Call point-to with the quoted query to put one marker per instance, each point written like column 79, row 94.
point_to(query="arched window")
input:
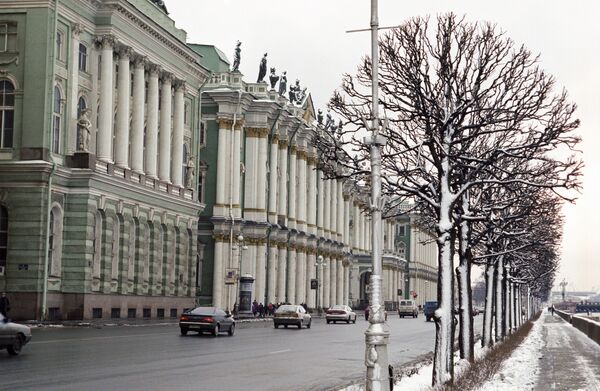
column 7, row 113
column 3, row 235
column 56, row 120
column 55, row 244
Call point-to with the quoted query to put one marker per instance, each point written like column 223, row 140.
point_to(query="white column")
column 310, row 274
column 234, row 167
column 251, row 182
column 261, row 179
column 164, row 157
column 123, row 112
column 355, row 227
column 152, row 123
column 281, row 272
column 347, row 284
column 326, row 209
column 261, row 272
column 273, row 180
column 291, row 280
column 222, row 165
column 340, row 282
column 300, row 277
column 326, row 283
column 301, row 192
column 177, row 147
column 218, row 275
column 138, row 114
column 320, row 203
column 292, row 189
column 272, row 273
column 105, row 114
column 73, row 137
column 340, row 211
column 282, row 202
column 347, row 207
column 333, row 210
column 333, row 281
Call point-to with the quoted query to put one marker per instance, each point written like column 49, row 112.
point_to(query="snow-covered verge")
column 520, row 371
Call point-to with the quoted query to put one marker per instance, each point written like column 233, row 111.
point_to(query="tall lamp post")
column 319, row 268
column 377, row 334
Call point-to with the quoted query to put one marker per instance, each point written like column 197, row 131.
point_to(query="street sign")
column 230, row 276
column 314, row 283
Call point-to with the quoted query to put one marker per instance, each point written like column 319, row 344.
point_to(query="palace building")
column 140, row 176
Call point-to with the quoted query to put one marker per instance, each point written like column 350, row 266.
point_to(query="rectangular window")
column 173, row 312
column 202, row 133
column 54, row 313
column 97, row 313
column 160, row 313
column 187, row 114
column 131, row 313
column 8, row 37
column 56, row 134
column 83, row 58
column 60, row 45
column 147, row 313
column 6, row 126
column 115, row 313
column 402, row 230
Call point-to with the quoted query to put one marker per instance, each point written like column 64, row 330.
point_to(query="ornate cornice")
column 283, row 144
column 257, row 132
column 224, row 123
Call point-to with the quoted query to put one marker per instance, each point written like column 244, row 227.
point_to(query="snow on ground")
column 520, row 371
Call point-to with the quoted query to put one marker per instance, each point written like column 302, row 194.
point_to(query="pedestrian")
column 261, row 310
column 270, row 308
column 254, row 308
column 552, row 310
column 4, row 305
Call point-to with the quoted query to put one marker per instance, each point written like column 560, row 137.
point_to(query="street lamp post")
column 377, row 334
column 318, row 267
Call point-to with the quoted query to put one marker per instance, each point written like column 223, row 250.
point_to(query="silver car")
column 340, row 313
column 13, row 336
column 294, row 315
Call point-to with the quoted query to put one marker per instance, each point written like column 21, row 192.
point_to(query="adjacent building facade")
column 139, row 176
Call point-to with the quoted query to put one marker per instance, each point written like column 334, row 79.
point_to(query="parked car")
column 367, row 314
column 13, row 336
column 429, row 310
column 289, row 314
column 341, row 313
column 408, row 307
column 210, row 319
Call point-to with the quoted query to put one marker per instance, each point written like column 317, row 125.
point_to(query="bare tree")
column 461, row 101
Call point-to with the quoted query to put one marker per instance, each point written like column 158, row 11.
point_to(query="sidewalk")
column 570, row 360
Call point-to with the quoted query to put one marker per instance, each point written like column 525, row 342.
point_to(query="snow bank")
column 520, row 371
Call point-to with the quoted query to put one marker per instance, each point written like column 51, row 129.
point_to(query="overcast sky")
column 307, row 39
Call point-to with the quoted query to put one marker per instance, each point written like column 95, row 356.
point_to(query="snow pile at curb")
column 520, row 371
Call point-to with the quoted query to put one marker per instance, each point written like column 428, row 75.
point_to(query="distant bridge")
column 588, row 307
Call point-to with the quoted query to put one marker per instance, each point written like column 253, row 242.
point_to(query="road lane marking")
column 94, row 338
column 281, row 351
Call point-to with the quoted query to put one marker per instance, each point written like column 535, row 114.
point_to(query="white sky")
column 307, row 39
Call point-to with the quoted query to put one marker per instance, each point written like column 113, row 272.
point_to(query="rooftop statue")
column 237, row 56
column 320, row 117
column 262, row 69
column 161, row 4
column 283, row 83
column 273, row 78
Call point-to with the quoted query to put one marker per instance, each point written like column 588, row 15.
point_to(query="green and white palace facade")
column 139, row 177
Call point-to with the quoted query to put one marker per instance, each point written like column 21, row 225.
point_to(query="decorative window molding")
column 7, row 113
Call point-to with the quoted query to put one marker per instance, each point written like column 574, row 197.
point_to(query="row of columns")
column 392, row 281
column 162, row 155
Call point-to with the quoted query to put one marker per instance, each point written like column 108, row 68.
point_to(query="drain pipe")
column 53, row 170
column 231, row 171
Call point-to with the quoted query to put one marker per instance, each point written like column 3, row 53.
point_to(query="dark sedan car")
column 210, row 319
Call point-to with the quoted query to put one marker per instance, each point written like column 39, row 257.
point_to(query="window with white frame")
column 83, row 57
column 202, row 136
column 8, row 37
column 7, row 113
column 56, row 119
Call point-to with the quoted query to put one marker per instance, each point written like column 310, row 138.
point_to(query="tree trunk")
column 507, row 302
column 488, row 317
column 499, row 298
column 466, row 337
column 443, row 360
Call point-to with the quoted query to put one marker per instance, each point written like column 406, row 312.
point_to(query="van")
column 408, row 307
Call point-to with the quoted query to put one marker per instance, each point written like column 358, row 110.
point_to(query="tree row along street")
column 157, row 357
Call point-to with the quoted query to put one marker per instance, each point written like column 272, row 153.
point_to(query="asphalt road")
column 158, row 358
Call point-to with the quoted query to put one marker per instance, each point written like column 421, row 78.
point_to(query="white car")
column 13, row 336
column 340, row 313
